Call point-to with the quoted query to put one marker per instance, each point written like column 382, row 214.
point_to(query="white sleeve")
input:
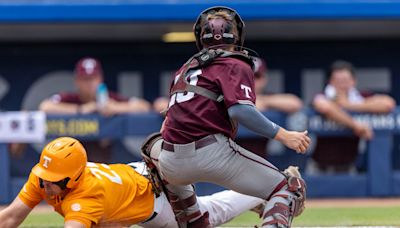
column 226, row 205
column 139, row 167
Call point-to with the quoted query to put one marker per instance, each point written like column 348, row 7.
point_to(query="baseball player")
column 211, row 94
column 100, row 195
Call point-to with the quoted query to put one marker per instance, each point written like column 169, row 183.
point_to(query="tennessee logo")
column 76, row 207
column 46, row 161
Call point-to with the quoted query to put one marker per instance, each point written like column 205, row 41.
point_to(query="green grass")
column 368, row 216
column 386, row 216
column 44, row 220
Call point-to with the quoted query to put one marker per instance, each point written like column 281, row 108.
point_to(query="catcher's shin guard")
column 186, row 214
column 287, row 203
column 201, row 222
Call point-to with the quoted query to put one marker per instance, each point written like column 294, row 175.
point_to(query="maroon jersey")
column 73, row 98
column 192, row 116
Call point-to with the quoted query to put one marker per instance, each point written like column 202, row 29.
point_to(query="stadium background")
column 40, row 41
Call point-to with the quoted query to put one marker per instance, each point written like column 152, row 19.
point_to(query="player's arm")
column 14, row 214
column 49, row 106
column 332, row 110
column 373, row 104
column 134, row 105
column 251, row 118
column 288, row 103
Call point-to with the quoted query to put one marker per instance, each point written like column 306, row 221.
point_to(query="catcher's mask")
column 218, row 31
column 62, row 162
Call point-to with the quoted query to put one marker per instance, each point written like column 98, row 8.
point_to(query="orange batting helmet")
column 62, row 158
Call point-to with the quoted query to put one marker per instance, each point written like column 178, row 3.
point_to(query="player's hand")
column 109, row 109
column 89, row 107
column 342, row 100
column 363, row 131
column 298, row 141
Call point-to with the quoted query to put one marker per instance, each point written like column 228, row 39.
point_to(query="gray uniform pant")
column 224, row 163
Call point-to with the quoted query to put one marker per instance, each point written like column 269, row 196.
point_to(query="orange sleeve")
column 30, row 193
column 84, row 210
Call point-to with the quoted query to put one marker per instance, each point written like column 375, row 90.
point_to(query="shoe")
column 259, row 209
column 292, row 171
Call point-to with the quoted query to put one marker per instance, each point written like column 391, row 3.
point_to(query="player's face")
column 87, row 86
column 342, row 80
column 51, row 189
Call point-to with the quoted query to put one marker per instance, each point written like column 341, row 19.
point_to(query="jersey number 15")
column 182, row 97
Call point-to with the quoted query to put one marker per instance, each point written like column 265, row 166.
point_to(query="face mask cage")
column 229, row 39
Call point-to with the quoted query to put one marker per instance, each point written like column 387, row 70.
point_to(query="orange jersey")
column 106, row 195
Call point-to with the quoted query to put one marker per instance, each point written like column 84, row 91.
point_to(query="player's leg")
column 185, row 206
column 294, row 193
column 241, row 170
column 226, row 205
column 164, row 215
column 181, row 197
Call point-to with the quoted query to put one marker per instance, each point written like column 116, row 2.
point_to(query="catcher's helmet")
column 218, row 30
column 62, row 158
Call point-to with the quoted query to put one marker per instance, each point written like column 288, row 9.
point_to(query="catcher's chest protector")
column 201, row 60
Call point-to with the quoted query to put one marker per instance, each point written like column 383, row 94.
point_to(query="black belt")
column 197, row 144
column 151, row 217
column 154, row 213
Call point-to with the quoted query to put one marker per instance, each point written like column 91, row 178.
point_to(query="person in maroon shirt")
column 88, row 76
column 211, row 94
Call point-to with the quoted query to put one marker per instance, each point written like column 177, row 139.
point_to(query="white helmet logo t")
column 46, row 161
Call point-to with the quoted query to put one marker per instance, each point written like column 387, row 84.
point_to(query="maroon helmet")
column 88, row 67
column 218, row 31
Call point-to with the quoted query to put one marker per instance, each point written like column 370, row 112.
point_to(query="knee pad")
column 297, row 186
column 288, row 202
column 181, row 208
column 150, row 151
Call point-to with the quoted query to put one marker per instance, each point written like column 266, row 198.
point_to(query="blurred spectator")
column 92, row 97
column 88, row 77
column 337, row 154
column 160, row 104
column 283, row 102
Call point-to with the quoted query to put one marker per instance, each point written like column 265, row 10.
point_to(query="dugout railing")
column 379, row 179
